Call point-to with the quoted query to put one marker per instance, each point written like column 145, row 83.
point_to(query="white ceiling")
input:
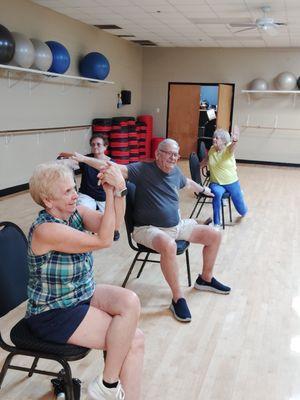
column 187, row 23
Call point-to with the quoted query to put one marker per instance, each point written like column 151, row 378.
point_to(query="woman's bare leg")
column 111, row 324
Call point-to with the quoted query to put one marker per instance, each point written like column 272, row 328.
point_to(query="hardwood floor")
column 245, row 346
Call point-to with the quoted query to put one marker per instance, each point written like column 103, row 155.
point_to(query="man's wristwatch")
column 121, row 193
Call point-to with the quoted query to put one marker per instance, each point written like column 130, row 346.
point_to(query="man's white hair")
column 166, row 142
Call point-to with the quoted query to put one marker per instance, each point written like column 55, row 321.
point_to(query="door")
column 224, row 106
column 183, row 119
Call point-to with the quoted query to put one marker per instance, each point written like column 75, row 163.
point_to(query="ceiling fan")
column 264, row 24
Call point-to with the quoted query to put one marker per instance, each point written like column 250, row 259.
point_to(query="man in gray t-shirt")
column 157, row 194
column 158, row 223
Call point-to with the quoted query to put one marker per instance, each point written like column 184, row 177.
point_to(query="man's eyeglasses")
column 170, row 153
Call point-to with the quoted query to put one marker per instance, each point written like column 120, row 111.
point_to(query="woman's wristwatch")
column 120, row 193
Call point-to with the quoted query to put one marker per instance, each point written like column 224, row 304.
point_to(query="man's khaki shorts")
column 145, row 234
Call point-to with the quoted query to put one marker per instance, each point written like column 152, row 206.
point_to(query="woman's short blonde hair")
column 43, row 182
column 223, row 135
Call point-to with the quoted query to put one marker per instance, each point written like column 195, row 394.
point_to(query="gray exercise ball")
column 258, row 84
column 24, row 51
column 285, row 81
column 42, row 55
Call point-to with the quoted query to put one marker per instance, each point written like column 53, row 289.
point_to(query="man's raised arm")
column 99, row 164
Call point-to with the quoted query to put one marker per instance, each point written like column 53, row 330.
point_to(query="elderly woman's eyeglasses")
column 97, row 144
column 170, row 153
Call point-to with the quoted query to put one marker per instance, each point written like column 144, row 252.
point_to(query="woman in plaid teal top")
column 58, row 280
column 65, row 305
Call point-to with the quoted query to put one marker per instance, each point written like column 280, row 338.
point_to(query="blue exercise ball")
column 7, row 45
column 94, row 65
column 61, row 57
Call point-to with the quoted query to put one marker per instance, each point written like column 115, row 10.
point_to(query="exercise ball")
column 285, row 81
column 94, row 65
column 61, row 57
column 258, row 84
column 42, row 55
column 7, row 45
column 24, row 51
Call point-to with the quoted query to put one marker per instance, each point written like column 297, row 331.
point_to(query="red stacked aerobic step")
column 154, row 145
column 119, row 146
column 148, row 120
column 141, row 135
column 133, row 141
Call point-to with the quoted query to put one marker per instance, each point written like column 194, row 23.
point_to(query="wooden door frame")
column 199, row 84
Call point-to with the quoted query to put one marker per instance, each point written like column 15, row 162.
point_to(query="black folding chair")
column 204, row 170
column 182, row 245
column 201, row 199
column 13, row 291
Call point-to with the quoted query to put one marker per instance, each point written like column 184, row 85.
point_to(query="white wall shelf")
column 46, row 75
column 272, row 91
column 269, row 127
column 249, row 92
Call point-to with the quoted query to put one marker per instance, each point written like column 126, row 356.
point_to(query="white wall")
column 238, row 66
column 53, row 104
column 146, row 72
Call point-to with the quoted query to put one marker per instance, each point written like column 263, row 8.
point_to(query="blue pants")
column 234, row 189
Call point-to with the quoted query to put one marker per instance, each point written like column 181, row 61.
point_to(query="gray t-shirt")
column 156, row 196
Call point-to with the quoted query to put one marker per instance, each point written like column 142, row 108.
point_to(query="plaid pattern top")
column 58, row 280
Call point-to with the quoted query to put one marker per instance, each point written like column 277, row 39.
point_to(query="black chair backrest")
column 130, row 207
column 202, row 151
column 195, row 168
column 129, row 221
column 210, row 128
column 13, row 267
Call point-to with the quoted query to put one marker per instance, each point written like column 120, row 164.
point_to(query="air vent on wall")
column 108, row 26
column 144, row 42
column 124, row 36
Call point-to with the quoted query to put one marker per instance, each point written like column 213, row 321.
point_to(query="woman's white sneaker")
column 97, row 391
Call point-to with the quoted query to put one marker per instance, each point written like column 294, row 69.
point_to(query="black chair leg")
column 202, row 204
column 34, row 364
column 223, row 219
column 144, row 263
column 130, row 269
column 5, row 367
column 206, row 180
column 194, row 209
column 230, row 212
column 188, row 267
column 66, row 375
